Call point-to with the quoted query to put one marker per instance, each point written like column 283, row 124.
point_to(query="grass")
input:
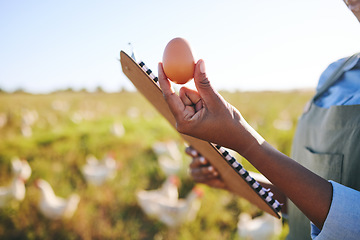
column 67, row 126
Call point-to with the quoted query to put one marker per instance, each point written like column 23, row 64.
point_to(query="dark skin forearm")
column 309, row 192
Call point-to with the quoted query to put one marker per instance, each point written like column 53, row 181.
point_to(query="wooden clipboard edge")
column 233, row 179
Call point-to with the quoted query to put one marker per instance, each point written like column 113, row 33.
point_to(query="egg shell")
column 178, row 61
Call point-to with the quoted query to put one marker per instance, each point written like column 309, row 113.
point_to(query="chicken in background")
column 117, row 129
column 21, row 168
column 15, row 191
column 54, row 207
column 169, row 157
column 149, row 200
column 173, row 214
column 97, row 172
column 259, row 228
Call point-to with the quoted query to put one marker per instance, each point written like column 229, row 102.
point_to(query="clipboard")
column 233, row 174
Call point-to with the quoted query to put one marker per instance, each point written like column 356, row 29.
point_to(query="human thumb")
column 202, row 83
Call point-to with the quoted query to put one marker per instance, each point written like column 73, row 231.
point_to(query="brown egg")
column 178, row 61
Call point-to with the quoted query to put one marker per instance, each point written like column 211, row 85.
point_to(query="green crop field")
column 56, row 132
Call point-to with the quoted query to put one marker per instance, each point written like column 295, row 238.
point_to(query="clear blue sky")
column 246, row 44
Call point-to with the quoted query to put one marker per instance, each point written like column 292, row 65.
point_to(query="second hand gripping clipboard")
column 235, row 176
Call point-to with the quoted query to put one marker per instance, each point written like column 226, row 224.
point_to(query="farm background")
column 67, row 126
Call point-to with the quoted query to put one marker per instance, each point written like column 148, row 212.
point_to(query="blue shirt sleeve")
column 346, row 91
column 343, row 220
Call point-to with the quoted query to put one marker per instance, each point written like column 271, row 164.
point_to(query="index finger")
column 164, row 82
column 175, row 104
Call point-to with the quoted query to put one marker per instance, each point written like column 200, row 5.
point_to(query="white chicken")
column 26, row 130
column 169, row 165
column 149, row 199
column 173, row 214
column 21, row 171
column 21, row 168
column 169, row 157
column 259, row 228
column 97, row 172
column 15, row 191
column 117, row 129
column 54, row 207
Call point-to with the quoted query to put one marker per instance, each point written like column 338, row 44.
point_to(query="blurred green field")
column 64, row 127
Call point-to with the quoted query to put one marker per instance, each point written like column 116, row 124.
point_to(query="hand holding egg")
column 178, row 61
column 202, row 112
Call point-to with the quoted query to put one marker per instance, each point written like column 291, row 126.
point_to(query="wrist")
column 247, row 141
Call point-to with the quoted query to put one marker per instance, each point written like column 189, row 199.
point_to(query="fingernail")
column 211, row 168
column 215, row 173
column 202, row 66
column 202, row 160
